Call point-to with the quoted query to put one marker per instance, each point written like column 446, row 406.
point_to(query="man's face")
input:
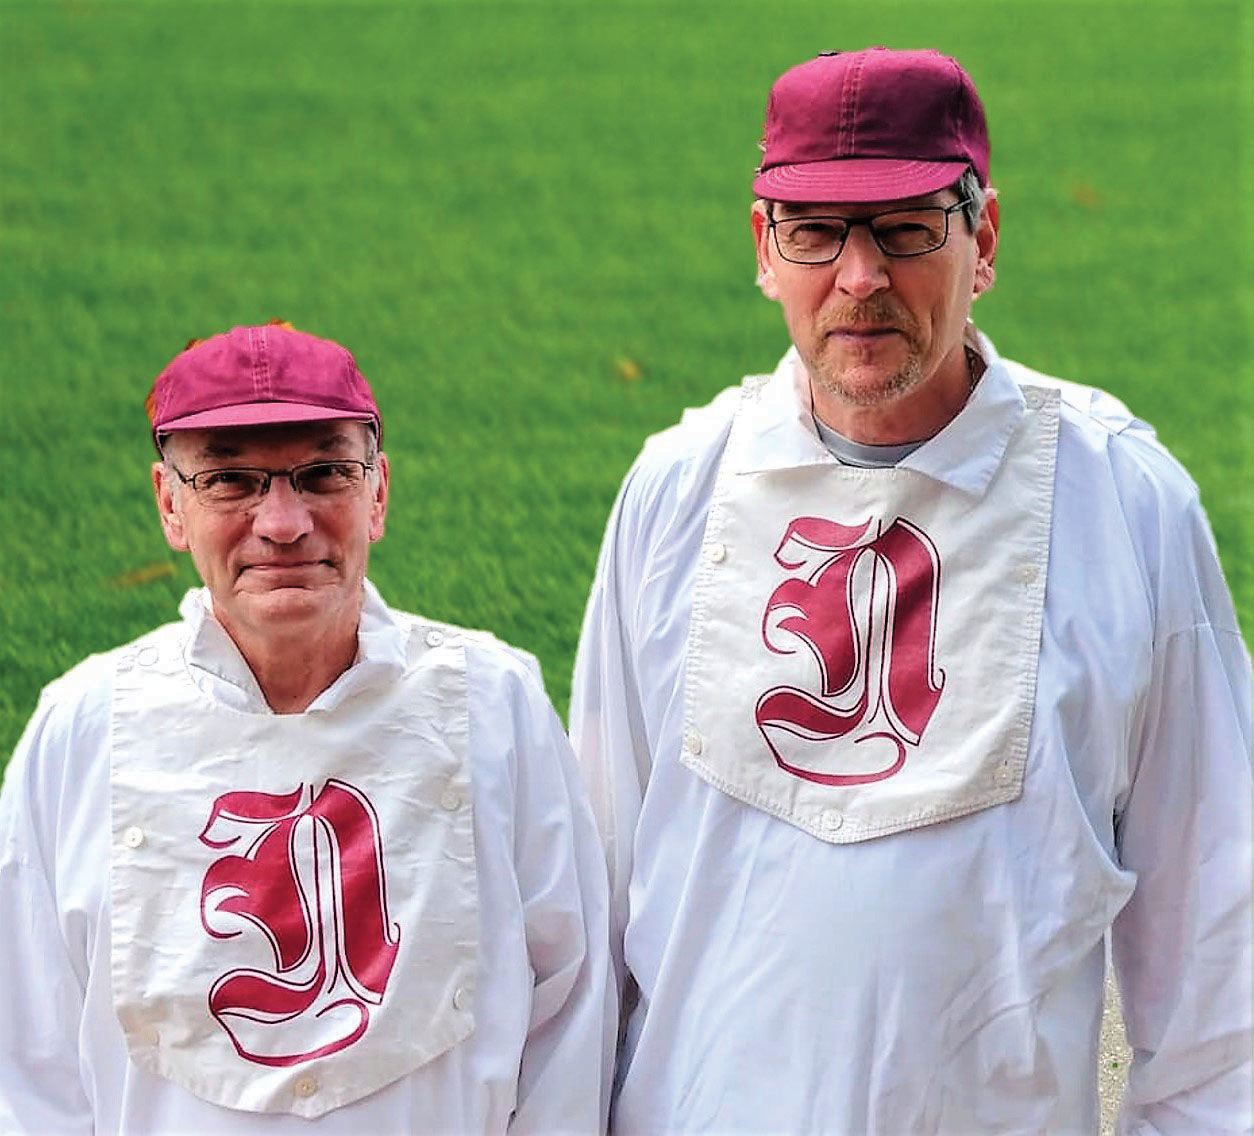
column 289, row 564
column 873, row 329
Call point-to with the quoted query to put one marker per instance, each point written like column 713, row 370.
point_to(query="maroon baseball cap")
column 254, row 376
column 872, row 125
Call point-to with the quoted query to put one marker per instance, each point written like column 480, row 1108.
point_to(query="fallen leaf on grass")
column 145, row 575
column 1085, row 196
column 628, row 369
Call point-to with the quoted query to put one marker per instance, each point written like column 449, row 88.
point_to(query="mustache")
column 874, row 311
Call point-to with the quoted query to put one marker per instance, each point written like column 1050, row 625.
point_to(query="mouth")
column 863, row 331
column 285, row 573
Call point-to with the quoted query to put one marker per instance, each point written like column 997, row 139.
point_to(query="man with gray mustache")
column 908, row 676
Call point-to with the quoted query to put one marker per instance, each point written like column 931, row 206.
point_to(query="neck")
column 293, row 668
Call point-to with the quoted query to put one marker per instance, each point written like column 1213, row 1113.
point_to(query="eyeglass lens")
column 905, row 232
column 229, row 486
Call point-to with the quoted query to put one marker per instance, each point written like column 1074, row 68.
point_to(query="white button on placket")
column 717, row 552
column 450, row 800
column 133, row 837
column 304, row 1087
column 434, row 638
column 693, row 743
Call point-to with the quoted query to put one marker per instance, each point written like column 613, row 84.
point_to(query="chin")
column 291, row 605
column 874, row 389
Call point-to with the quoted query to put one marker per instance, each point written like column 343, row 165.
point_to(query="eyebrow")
column 792, row 209
column 225, row 449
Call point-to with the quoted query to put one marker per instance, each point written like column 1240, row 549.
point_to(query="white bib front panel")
column 294, row 911
column 863, row 647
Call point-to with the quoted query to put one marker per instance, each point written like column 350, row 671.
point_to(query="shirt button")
column 133, row 837
column 1004, row 772
column 1026, row 573
column 461, row 998
column 717, row 552
column 304, row 1086
column 450, row 800
column 434, row 638
column 147, row 656
column 832, row 821
column 692, row 742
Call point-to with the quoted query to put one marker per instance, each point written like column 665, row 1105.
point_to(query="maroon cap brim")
column 269, row 413
column 855, row 180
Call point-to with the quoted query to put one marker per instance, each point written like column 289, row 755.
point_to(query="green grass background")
column 497, row 204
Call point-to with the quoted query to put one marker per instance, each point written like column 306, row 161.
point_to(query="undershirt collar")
column 860, row 454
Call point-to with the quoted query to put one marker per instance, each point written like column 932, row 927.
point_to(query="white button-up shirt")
column 538, row 1057
column 947, row 979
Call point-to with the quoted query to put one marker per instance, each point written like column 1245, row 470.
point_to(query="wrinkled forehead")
column 258, row 444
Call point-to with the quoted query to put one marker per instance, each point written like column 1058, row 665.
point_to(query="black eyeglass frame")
column 850, row 222
column 267, row 477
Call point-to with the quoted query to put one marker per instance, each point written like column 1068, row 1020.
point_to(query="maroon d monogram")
column 310, row 881
column 863, row 602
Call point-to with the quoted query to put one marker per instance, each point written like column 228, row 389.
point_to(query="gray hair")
column 968, row 188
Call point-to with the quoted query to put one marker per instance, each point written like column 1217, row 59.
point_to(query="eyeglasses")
column 896, row 232
column 240, row 487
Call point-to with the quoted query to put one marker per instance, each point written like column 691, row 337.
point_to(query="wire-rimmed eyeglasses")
column 820, row 239
column 239, row 487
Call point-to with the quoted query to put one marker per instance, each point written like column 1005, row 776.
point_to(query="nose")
column 282, row 515
column 861, row 268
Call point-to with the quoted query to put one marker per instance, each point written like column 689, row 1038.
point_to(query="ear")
column 761, row 241
column 379, row 506
column 986, row 231
column 167, row 507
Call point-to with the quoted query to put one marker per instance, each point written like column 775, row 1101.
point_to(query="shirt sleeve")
column 567, row 1061
column 41, row 1090
column 1181, row 946
column 607, row 722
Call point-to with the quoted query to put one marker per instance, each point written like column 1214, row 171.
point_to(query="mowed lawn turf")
column 530, row 222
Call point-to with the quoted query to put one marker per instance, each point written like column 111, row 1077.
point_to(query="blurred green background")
column 529, row 220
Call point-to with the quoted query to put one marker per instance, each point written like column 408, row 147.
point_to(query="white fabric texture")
column 948, row 979
column 528, row 1042
column 293, row 896
column 876, row 632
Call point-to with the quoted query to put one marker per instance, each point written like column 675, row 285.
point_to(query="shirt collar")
column 220, row 671
column 965, row 454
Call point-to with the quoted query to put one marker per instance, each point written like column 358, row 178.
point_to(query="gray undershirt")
column 848, row 452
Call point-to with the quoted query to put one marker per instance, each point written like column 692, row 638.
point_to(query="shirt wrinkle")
column 989, row 927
